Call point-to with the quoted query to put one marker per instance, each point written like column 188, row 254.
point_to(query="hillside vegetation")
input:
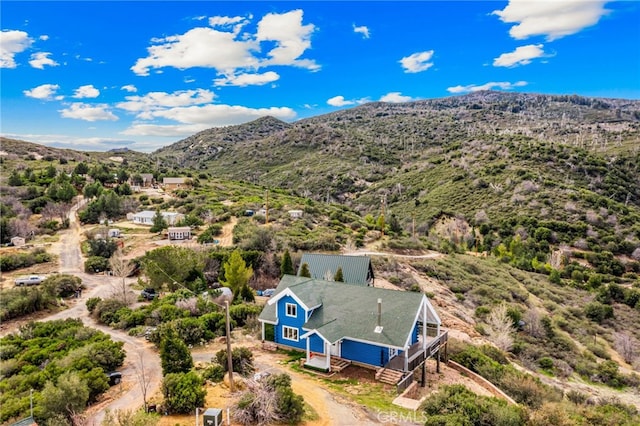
column 543, row 190
column 570, row 163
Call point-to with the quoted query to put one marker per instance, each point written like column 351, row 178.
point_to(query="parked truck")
column 30, row 280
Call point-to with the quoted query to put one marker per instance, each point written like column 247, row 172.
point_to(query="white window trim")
column 292, row 330
column 295, row 308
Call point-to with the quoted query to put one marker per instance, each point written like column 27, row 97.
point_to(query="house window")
column 290, row 333
column 292, row 310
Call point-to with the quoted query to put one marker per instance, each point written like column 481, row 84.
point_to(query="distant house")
column 262, row 212
column 114, row 233
column 179, row 232
column 173, row 183
column 368, row 326
column 147, row 179
column 18, row 241
column 295, row 214
column 355, row 269
column 146, row 217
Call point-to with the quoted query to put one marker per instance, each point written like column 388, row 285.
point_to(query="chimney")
column 378, row 328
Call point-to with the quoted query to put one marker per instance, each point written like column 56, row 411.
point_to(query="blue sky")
column 94, row 75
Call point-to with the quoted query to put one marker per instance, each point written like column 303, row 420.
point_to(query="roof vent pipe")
column 379, row 312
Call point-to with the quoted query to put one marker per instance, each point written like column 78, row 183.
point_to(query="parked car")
column 269, row 292
column 115, row 377
column 149, row 293
column 30, row 280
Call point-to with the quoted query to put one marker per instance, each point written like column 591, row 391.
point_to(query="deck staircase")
column 339, row 364
column 388, row 376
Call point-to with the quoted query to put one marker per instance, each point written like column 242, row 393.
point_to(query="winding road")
column 130, row 394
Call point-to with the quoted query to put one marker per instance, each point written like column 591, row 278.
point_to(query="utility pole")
column 229, row 359
column 266, row 215
column 383, row 202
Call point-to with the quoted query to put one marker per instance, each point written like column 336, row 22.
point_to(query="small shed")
column 294, row 214
column 18, row 241
column 179, row 232
column 114, row 233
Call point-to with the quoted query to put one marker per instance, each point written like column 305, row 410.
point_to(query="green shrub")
column 183, row 392
column 12, row 261
column 598, row 312
column 457, row 405
column 214, row 373
column 95, row 264
column 242, row 360
column 92, row 303
column 545, row 363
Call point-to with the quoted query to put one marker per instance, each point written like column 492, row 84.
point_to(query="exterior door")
column 335, row 349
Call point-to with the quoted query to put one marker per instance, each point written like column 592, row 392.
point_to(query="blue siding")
column 365, row 353
column 316, row 344
column 296, row 322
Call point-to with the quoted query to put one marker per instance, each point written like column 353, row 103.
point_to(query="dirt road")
column 71, row 262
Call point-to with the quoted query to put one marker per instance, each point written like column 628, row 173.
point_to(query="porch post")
column 406, row 359
column 327, row 352
column 262, row 331
column 424, row 373
column 438, row 362
column 424, row 326
column 308, row 347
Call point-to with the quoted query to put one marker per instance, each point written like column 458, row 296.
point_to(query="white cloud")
column 130, row 88
column 12, row 42
column 199, row 47
column 87, row 91
column 193, row 119
column 44, row 37
column 44, row 91
column 395, row 97
column 247, row 79
column 361, row 30
column 417, row 62
column 145, row 106
column 234, row 23
column 40, row 59
column 230, row 53
column 291, row 38
column 553, row 19
column 87, row 112
column 339, row 101
column 504, row 85
column 521, row 56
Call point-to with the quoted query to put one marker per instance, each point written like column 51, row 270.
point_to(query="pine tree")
column 286, row 267
column 304, row 271
column 236, row 273
column 174, row 354
column 158, row 222
column 338, row 277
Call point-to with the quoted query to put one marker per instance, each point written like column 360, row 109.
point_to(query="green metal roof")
column 355, row 269
column 352, row 310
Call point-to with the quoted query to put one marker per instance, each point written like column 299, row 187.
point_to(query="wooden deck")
column 416, row 354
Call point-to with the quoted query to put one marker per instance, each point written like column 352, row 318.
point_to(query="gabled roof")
column 151, row 214
column 351, row 311
column 173, row 180
column 355, row 269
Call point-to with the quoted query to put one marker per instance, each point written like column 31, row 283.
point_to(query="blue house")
column 366, row 326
